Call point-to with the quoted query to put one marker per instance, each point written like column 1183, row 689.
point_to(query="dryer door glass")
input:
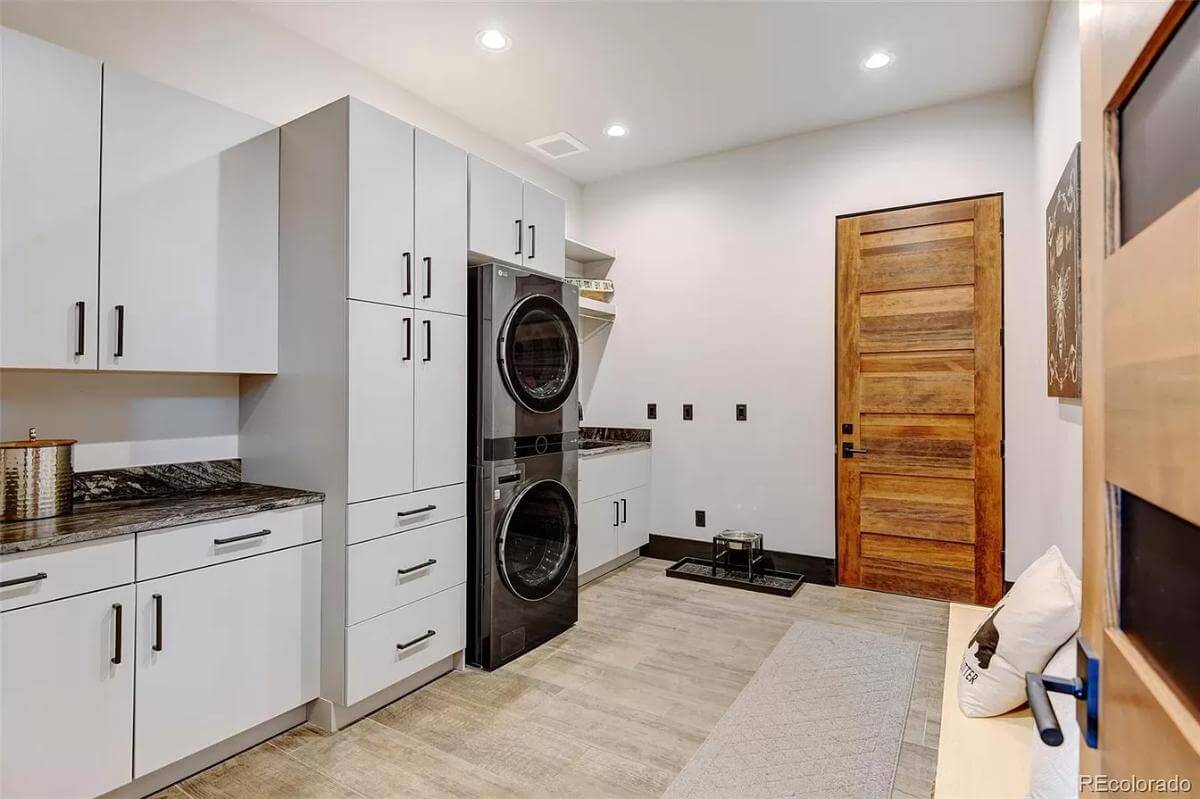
column 539, row 354
column 537, row 544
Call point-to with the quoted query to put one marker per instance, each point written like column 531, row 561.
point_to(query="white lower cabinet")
column 393, row 571
column 66, row 696
column 222, row 649
column 634, row 530
column 614, row 517
column 598, row 525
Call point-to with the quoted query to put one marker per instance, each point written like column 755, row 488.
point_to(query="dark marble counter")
column 606, row 440
column 92, row 520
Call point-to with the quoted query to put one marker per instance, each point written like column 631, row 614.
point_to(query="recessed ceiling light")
column 616, row 131
column 877, row 60
column 494, row 40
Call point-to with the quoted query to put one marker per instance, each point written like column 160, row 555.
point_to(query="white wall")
column 226, row 53
column 725, row 294
column 1057, row 107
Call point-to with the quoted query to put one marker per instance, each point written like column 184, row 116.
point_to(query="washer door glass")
column 537, row 544
column 539, row 355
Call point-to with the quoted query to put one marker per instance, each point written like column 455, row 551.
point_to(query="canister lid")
column 34, row 441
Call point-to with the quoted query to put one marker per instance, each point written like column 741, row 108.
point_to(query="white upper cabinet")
column 382, row 347
column 441, row 225
column 382, row 264
column 49, row 204
column 189, row 203
column 545, row 244
column 66, row 689
column 440, row 437
column 495, row 217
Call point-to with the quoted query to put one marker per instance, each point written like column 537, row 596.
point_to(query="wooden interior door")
column 919, row 400
column 1140, row 247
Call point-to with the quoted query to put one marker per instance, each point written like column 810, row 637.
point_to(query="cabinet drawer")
column 380, row 517
column 602, row 475
column 177, row 549
column 373, row 657
column 69, row 570
column 434, row 559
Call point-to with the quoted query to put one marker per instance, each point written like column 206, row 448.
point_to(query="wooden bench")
column 978, row 758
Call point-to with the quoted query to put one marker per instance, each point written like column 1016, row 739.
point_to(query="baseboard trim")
column 180, row 770
column 822, row 571
column 331, row 717
column 605, row 568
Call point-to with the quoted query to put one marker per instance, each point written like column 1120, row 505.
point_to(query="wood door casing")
column 919, row 378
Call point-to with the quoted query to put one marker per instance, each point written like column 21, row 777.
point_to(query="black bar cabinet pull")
column 520, row 238
column 407, row 339
column 428, row 278
column 429, row 634
column 415, row 511
column 624, row 510
column 428, row 340
column 33, row 578
column 157, row 646
column 418, row 567
column 120, row 332
column 533, row 241
column 246, row 537
column 116, row 658
column 407, row 273
column 80, row 316
column 616, row 513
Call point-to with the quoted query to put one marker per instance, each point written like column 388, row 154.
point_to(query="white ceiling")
column 686, row 78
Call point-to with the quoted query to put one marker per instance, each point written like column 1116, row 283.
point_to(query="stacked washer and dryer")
column 523, row 528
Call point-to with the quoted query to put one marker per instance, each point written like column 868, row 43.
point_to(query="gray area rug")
column 823, row 717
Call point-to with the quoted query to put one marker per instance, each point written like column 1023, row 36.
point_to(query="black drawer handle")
column 117, row 613
column 407, row 274
column 520, row 238
column 158, row 614
column 418, row 567
column 428, row 340
column 428, row 278
column 81, row 314
column 407, row 339
column 616, row 513
column 33, row 578
column 219, row 541
column 624, row 511
column 415, row 511
column 120, row 332
column 532, row 241
column 429, row 634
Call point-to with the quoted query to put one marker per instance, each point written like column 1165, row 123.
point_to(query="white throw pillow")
column 1054, row 770
column 1038, row 614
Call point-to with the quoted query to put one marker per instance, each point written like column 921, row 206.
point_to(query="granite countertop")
column 595, row 441
column 119, row 502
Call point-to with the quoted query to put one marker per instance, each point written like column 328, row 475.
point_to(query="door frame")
column 837, row 436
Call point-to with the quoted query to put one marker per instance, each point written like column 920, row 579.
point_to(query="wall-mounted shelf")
column 594, row 316
column 585, row 254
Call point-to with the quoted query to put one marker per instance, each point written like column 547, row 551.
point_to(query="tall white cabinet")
column 514, row 221
column 369, row 405
column 49, row 204
column 140, row 222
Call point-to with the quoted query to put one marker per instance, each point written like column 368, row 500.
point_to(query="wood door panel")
column 918, row 507
column 930, row 445
column 919, row 396
column 918, row 319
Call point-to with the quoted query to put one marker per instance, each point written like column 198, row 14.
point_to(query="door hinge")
column 1001, row 448
column 1002, row 337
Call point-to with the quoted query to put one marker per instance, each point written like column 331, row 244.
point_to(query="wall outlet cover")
column 687, row 412
column 700, row 520
column 741, row 412
column 651, row 410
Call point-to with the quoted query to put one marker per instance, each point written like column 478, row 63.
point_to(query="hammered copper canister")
column 35, row 477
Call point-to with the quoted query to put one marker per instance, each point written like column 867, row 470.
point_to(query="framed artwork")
column 1063, row 318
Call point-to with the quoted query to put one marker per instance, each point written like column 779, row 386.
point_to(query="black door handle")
column 407, row 274
column 418, row 567
column 616, row 513
column 80, row 316
column 407, row 339
column 520, row 238
column 1044, row 718
column 120, row 332
column 33, row 578
column 429, row 634
column 428, row 340
column 219, row 541
column 428, row 278
column 624, row 511
column 848, row 450
column 158, row 614
column 532, row 241
column 415, row 511
column 116, row 658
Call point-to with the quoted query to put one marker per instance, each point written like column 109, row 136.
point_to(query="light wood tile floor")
column 614, row 707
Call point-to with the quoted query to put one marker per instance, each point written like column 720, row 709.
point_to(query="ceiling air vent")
column 558, row 145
